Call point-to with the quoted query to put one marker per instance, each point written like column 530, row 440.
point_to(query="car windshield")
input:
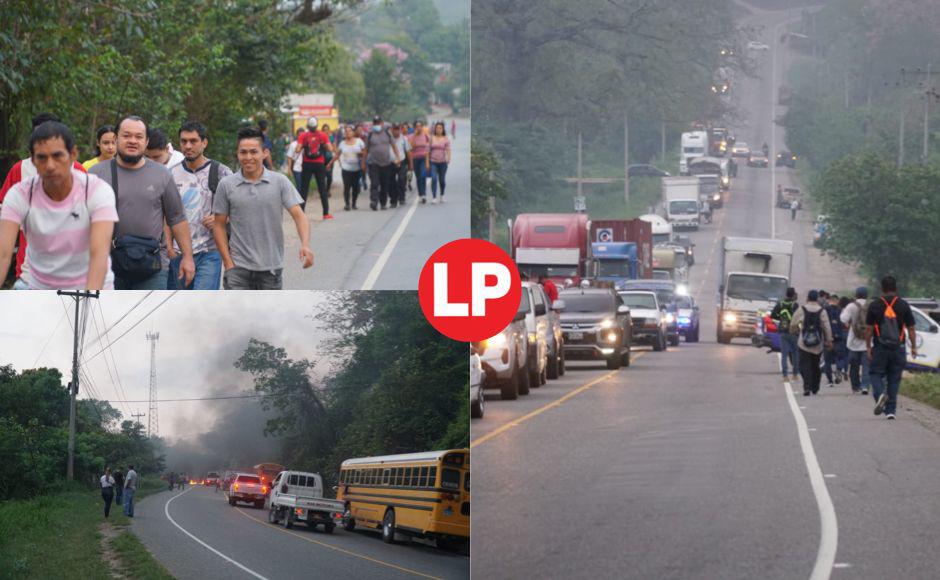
column 662, row 275
column 524, row 303
column 577, row 302
column 248, row 479
column 613, row 268
column 683, row 207
column 767, row 288
column 683, row 302
column 661, row 238
column 639, row 300
column 550, row 271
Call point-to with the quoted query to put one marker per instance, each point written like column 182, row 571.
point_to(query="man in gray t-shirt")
column 380, row 152
column 252, row 201
column 146, row 198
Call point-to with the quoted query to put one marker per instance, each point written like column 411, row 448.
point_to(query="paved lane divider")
column 828, row 524
column 389, row 248
column 556, row 403
column 337, row 549
column 166, row 510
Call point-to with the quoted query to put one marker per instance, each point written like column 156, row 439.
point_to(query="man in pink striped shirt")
column 67, row 216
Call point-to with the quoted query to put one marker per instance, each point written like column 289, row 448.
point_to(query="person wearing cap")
column 782, row 314
column 853, row 316
column 314, row 144
column 812, row 316
column 380, row 152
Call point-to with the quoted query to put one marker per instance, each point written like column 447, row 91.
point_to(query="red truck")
column 554, row 245
column 636, row 230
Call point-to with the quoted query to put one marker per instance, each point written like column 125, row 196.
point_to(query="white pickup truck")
column 247, row 488
column 298, row 496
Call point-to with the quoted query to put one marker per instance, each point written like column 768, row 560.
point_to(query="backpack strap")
column 213, row 176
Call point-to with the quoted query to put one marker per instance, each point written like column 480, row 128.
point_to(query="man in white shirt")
column 853, row 315
column 402, row 166
column 107, row 490
column 130, row 486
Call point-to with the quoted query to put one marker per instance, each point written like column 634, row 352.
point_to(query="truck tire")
column 552, row 368
column 328, row 528
column 288, row 519
column 543, row 376
column 388, row 527
column 613, row 363
column 272, row 516
column 259, row 505
column 231, row 501
column 509, row 391
column 723, row 338
column 534, row 374
column 626, row 358
column 524, row 380
column 692, row 337
column 659, row 344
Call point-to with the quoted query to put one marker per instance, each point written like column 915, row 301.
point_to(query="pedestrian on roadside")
column 453, row 128
column 440, row 158
column 107, row 490
column 197, row 180
column 328, row 158
column 160, row 149
column 252, row 200
column 794, row 205
column 171, row 478
column 830, row 363
column 130, row 486
column 146, row 197
column 420, row 143
column 782, row 315
column 888, row 321
column 268, row 145
column 105, row 146
column 295, row 158
column 403, row 166
column 314, row 144
column 60, row 203
column 118, row 476
column 854, row 316
column 380, row 153
column 352, row 162
column 811, row 323
column 841, row 346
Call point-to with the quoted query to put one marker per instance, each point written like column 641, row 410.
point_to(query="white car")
column 538, row 322
column 928, row 342
column 740, row 149
column 476, row 385
column 754, row 45
column 647, row 318
column 504, row 356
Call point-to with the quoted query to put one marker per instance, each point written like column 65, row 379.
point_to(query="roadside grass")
column 56, row 536
column 136, row 561
column 922, row 387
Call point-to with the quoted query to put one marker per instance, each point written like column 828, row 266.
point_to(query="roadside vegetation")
column 923, row 387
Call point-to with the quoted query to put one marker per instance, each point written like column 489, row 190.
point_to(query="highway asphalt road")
column 196, row 534
column 384, row 249
column 699, row 462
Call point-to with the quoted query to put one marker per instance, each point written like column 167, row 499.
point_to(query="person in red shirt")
column 314, row 143
column 21, row 171
column 550, row 289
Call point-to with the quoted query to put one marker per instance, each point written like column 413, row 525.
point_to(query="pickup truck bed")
column 286, row 509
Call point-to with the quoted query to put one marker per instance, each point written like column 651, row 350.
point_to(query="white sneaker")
column 442, row 199
column 880, row 405
column 890, row 416
column 434, row 201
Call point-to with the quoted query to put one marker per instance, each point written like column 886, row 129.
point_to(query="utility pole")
column 580, row 174
column 626, row 159
column 926, row 116
column 901, row 133
column 492, row 217
column 662, row 143
column 73, row 385
column 137, row 416
column 153, row 428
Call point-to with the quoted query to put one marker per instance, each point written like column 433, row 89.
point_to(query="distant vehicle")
column 267, row 472
column 928, row 343
column 740, row 149
column 787, row 195
column 645, row 170
column 930, row 306
column 476, row 384
column 298, row 496
column 647, row 318
column 544, row 334
column 680, row 197
column 754, row 276
column 212, row 478
column 597, row 326
column 693, row 144
column 621, row 249
column 504, row 356
column 687, row 243
column 786, row 159
column 247, row 488
column 757, row 159
column 754, row 45
column 687, row 317
column 666, row 296
column 414, row 495
column 661, row 228
column 552, row 245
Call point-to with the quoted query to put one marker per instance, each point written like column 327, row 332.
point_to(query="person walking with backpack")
column 831, row 305
column 197, row 179
column 315, row 144
column 782, row 314
column 854, row 316
column 811, row 324
column 888, row 322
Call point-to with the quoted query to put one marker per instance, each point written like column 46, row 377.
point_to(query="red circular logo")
column 469, row 290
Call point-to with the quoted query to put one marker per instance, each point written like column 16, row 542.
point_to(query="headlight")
column 606, row 323
column 682, row 290
column 532, row 338
column 670, row 318
column 610, row 336
column 730, row 317
column 496, row 341
column 725, row 180
column 685, row 320
column 717, row 197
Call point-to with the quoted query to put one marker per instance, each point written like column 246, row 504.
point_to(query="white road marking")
column 389, row 248
column 811, row 428
column 166, row 510
column 828, row 524
column 830, row 475
column 842, row 565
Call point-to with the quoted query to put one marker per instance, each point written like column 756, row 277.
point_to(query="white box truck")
column 694, row 144
column 755, row 274
column 681, row 202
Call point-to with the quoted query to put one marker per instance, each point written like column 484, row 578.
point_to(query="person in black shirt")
column 782, row 314
column 118, row 476
column 885, row 348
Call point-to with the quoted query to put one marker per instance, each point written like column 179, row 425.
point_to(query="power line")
column 113, row 360
column 58, row 324
column 193, row 399
column 118, row 321
column 131, row 328
column 106, row 365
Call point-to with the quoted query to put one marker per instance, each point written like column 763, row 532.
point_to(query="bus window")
column 423, row 480
column 399, row 475
column 408, row 481
column 432, row 477
column 466, row 482
column 450, row 478
column 385, row 474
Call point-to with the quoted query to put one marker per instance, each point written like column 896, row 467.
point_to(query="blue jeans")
column 421, row 176
column 789, row 350
column 438, row 173
column 887, row 365
column 208, row 272
column 155, row 282
column 129, row 502
column 858, row 360
column 297, row 176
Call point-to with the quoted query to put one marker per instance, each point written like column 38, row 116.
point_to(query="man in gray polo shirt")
column 252, row 201
column 146, row 197
column 380, row 151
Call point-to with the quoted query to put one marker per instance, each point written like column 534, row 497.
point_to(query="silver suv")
column 543, row 324
column 505, row 356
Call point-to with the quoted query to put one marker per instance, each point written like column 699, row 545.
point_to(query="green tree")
column 484, row 183
column 384, row 87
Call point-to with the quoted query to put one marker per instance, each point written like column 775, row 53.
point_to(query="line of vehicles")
column 414, row 495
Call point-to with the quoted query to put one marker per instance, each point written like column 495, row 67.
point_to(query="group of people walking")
column 379, row 157
column 119, row 488
column 861, row 339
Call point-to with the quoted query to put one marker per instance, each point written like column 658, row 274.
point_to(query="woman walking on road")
column 352, row 162
column 107, row 490
column 420, row 142
column 439, row 159
column 811, row 324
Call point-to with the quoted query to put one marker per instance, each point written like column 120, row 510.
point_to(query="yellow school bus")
column 417, row 494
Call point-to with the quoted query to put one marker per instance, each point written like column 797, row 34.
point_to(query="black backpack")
column 313, row 153
column 213, row 176
column 889, row 332
column 812, row 332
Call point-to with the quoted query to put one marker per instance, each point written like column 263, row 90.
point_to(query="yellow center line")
column 338, row 549
column 556, row 403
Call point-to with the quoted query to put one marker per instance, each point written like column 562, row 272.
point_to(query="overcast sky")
column 201, row 336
